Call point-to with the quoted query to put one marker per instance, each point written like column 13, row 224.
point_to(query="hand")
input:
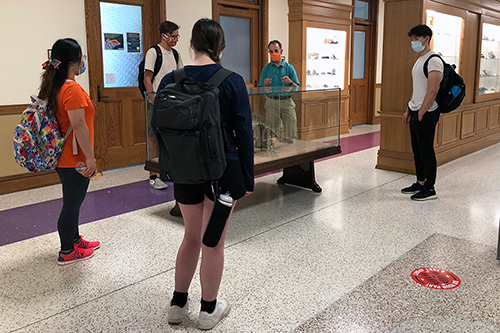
column 406, row 117
column 152, row 98
column 286, row 89
column 267, row 82
column 286, row 79
column 421, row 114
column 268, row 89
column 91, row 169
column 248, row 193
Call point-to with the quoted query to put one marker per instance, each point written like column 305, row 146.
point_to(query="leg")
column 74, row 187
column 189, row 251
column 212, row 258
column 415, row 146
column 273, row 116
column 289, row 118
column 426, row 132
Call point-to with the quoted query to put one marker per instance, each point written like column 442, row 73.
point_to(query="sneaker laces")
column 78, row 251
column 83, row 242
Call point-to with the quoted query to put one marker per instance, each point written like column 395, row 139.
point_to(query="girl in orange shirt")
column 72, row 107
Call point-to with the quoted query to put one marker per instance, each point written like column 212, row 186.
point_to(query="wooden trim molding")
column 27, row 181
column 6, row 110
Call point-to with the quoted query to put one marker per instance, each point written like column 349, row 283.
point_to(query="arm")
column 81, row 131
column 242, row 117
column 433, row 81
column 148, row 83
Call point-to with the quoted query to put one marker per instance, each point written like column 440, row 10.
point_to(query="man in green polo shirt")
column 280, row 76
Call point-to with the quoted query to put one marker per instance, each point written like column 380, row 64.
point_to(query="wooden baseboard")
column 28, row 181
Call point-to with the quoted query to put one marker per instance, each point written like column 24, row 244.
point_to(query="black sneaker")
column 424, row 194
column 414, row 188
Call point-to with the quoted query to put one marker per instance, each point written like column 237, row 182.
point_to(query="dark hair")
column 275, row 41
column 420, row 30
column 168, row 27
column 67, row 51
column 208, row 37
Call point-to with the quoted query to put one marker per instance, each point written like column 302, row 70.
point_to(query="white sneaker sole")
column 432, row 197
column 209, row 326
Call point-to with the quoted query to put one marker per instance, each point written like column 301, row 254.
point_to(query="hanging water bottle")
column 220, row 213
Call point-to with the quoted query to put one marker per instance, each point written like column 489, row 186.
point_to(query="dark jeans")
column 74, row 187
column 422, row 144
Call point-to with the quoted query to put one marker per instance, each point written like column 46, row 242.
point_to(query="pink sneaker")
column 76, row 255
column 83, row 244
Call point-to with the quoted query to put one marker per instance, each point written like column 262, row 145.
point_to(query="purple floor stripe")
column 29, row 221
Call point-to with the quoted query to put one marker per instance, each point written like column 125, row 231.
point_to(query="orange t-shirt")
column 71, row 97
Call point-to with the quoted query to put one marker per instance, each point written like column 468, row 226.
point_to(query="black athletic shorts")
column 232, row 181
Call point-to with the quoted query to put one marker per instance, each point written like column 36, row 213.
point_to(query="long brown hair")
column 67, row 51
column 208, row 37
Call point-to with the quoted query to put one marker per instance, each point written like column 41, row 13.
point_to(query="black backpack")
column 452, row 88
column 158, row 63
column 189, row 129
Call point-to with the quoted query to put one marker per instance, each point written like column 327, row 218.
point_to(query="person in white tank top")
column 422, row 113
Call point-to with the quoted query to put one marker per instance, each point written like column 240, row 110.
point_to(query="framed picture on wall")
column 113, row 41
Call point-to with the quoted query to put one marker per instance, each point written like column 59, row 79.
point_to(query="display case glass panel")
column 489, row 69
column 447, row 36
column 278, row 117
column 325, row 65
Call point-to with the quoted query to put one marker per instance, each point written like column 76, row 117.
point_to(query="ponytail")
column 208, row 37
column 64, row 52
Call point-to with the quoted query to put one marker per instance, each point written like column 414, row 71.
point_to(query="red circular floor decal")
column 435, row 278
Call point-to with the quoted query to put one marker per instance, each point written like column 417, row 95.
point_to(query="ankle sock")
column 153, row 177
column 208, row 306
column 179, row 299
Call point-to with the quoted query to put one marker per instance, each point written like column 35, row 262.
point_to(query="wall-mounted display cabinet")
column 489, row 63
column 325, row 64
column 467, row 35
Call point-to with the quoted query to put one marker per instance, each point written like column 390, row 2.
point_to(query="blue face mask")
column 82, row 70
column 417, row 46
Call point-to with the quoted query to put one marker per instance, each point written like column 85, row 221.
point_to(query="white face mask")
column 417, row 46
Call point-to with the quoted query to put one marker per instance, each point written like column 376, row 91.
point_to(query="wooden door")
column 241, row 30
column 360, row 106
column 119, row 32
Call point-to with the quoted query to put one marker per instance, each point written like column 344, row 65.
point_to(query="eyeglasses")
column 84, row 57
column 177, row 37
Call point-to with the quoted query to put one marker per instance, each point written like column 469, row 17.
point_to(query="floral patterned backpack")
column 37, row 140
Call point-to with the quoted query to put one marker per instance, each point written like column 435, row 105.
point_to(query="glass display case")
column 447, row 36
column 325, row 64
column 489, row 68
column 280, row 117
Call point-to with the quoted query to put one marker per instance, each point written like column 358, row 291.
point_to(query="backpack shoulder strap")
column 176, row 56
column 159, row 59
column 179, row 74
column 426, row 64
column 219, row 76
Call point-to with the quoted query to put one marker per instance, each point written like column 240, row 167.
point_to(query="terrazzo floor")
column 296, row 260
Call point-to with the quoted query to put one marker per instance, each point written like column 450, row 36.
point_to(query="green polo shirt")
column 271, row 71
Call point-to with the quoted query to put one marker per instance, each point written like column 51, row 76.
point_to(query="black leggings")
column 74, row 187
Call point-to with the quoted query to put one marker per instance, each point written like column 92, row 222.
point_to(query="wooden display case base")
column 296, row 160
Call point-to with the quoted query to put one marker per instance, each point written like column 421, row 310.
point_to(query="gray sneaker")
column 157, row 184
column 208, row 321
column 176, row 314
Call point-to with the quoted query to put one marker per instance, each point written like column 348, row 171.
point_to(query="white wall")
column 185, row 14
column 28, row 28
column 278, row 23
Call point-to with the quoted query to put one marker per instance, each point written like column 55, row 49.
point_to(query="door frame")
column 263, row 27
column 94, row 54
column 372, row 54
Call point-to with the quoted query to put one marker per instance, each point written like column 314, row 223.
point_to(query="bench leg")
column 300, row 175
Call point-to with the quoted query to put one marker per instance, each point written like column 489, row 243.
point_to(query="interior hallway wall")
column 24, row 48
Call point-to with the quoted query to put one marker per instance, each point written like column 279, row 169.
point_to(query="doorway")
column 118, row 35
column 362, row 109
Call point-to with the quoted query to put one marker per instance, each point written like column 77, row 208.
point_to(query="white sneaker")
column 208, row 321
column 157, row 184
column 176, row 313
